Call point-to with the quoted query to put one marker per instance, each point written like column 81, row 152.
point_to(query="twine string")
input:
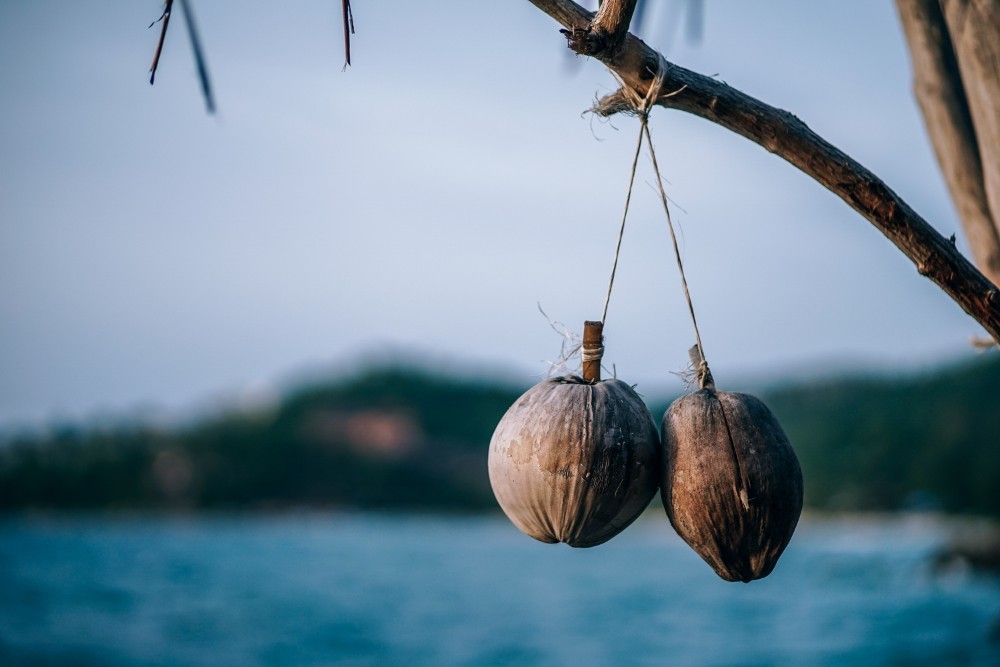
column 702, row 368
column 641, row 105
column 621, row 231
column 588, row 353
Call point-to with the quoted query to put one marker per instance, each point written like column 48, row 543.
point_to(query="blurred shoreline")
column 408, row 440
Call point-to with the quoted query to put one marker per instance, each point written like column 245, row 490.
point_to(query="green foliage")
column 893, row 443
column 407, row 439
column 389, row 438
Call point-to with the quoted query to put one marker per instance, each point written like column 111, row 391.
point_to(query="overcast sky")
column 429, row 197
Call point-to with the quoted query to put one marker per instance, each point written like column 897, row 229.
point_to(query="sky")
column 429, row 198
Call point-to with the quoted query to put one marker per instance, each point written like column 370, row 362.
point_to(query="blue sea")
column 368, row 589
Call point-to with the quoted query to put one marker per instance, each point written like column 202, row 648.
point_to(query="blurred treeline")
column 403, row 438
column 930, row 441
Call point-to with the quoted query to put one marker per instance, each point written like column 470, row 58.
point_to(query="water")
column 377, row 590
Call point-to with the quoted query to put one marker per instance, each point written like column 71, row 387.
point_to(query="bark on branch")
column 606, row 33
column 785, row 135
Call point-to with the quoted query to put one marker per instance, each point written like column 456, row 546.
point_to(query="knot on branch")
column 590, row 41
column 629, row 101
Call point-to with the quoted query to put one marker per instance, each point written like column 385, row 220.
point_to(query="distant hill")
column 928, row 441
column 385, row 438
column 406, row 439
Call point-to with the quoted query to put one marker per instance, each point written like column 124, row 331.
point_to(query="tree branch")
column 606, row 33
column 785, row 135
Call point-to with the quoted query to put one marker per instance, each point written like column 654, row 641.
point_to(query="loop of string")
column 588, row 353
column 641, row 105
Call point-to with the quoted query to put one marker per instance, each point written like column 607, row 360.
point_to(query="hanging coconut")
column 576, row 459
column 731, row 486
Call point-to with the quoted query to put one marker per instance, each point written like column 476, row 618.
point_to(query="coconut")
column 576, row 459
column 731, row 484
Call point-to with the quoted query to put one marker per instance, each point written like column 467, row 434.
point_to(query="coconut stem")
column 702, row 372
column 593, row 350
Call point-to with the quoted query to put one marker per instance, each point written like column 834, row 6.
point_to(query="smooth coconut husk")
column 731, row 484
column 575, row 461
